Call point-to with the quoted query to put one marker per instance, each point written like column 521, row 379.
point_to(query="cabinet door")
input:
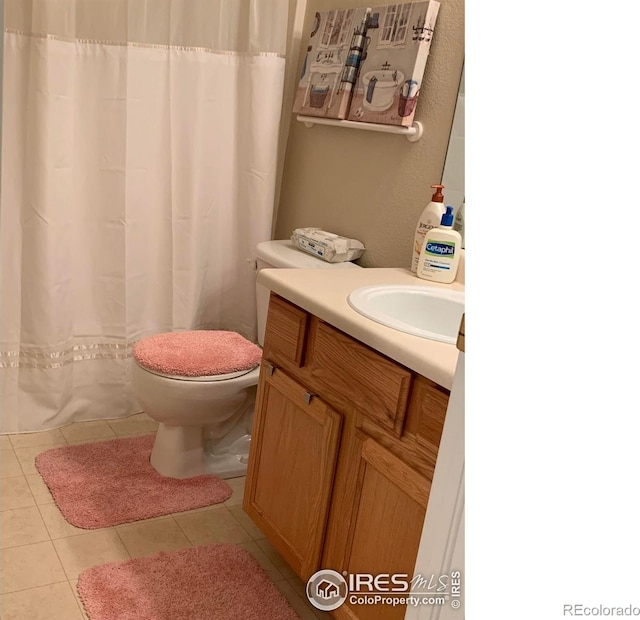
column 292, row 462
column 384, row 524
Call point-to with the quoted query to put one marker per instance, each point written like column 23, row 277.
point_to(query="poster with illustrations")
column 398, row 39
column 330, row 67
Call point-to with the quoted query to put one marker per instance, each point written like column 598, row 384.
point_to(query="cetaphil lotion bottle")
column 440, row 255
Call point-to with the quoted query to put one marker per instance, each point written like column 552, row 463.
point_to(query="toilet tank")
column 283, row 254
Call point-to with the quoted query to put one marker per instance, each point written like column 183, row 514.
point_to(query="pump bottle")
column 430, row 218
column 440, row 256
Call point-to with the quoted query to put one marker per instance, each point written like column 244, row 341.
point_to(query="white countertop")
column 324, row 292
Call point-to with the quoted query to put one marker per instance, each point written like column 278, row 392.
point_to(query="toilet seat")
column 203, row 379
column 197, row 355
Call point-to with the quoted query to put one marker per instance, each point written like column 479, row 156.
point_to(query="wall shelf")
column 413, row 133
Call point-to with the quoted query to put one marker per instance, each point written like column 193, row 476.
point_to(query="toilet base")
column 227, row 466
column 177, row 451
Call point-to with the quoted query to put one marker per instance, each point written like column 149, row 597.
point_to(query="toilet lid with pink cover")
column 197, row 353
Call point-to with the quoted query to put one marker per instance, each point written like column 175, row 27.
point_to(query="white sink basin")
column 425, row 311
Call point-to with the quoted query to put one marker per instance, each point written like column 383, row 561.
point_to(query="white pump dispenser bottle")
column 430, row 218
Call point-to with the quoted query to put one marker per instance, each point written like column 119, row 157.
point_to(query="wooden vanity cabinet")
column 343, row 451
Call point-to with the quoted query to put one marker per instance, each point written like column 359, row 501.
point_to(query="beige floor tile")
column 299, row 587
column 150, row 537
column 58, row 526
column 302, row 608
column 287, row 571
column 15, row 493
column 9, row 464
column 81, row 432
column 263, row 560
column 29, row 566
column 27, row 456
column 44, row 438
column 144, row 416
column 197, row 510
column 237, row 486
column 51, row 602
column 80, row 552
column 213, row 525
column 278, row 561
column 245, row 521
column 34, row 574
column 39, row 489
column 270, row 551
column 74, row 587
column 138, row 424
column 22, row 526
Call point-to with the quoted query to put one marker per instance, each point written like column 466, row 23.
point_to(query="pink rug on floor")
column 210, row 582
column 110, row 482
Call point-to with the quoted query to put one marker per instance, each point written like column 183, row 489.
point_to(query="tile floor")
column 41, row 555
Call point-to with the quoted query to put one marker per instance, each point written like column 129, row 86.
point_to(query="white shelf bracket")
column 413, row 133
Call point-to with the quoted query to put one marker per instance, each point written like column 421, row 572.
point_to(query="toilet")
column 200, row 385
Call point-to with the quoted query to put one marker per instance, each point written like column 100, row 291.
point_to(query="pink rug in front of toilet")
column 106, row 483
column 215, row 581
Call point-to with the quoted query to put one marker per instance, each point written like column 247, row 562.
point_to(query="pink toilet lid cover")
column 197, row 353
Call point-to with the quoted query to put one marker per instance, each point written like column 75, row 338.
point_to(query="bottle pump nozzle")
column 447, row 218
column 437, row 196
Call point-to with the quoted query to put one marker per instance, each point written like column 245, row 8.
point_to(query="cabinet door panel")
column 291, row 468
column 385, row 526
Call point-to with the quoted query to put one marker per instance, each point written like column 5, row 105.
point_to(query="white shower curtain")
column 139, row 148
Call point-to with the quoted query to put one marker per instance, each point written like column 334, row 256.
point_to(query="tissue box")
column 327, row 246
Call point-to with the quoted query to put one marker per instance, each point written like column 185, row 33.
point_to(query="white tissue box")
column 327, row 246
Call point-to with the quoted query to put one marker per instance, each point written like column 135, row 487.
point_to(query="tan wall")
column 367, row 185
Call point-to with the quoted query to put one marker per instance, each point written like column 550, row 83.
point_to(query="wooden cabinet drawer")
column 355, row 374
column 286, row 327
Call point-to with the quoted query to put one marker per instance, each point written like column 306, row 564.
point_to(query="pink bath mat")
column 210, row 582
column 110, row 482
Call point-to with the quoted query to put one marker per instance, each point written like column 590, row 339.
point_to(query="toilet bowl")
column 200, row 385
